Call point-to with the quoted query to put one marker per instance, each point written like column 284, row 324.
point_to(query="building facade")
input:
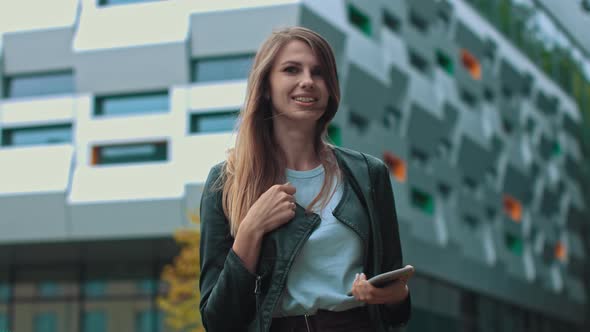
column 113, row 111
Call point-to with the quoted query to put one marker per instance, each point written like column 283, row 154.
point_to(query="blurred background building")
column 113, row 111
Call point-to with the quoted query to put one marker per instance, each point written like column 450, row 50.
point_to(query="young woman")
column 290, row 223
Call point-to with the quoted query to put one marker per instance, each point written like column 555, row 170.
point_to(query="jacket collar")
column 286, row 241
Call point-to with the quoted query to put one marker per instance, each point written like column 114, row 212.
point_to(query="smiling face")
column 298, row 91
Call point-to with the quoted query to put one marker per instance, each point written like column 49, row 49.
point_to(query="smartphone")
column 386, row 278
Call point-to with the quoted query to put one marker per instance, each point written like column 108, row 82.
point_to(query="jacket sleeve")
column 398, row 314
column 226, row 286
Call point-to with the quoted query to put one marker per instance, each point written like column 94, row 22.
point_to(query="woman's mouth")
column 305, row 101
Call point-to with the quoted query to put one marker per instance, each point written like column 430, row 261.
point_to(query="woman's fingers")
column 365, row 292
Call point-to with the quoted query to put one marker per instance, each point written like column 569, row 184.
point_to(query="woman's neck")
column 298, row 149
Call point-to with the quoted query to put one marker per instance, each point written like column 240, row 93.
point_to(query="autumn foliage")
column 181, row 301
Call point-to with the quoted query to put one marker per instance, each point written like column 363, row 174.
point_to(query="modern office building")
column 113, row 111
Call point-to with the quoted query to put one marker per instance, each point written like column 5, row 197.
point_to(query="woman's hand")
column 393, row 293
column 274, row 207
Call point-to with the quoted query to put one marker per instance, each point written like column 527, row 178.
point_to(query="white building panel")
column 225, row 95
column 36, row 169
column 37, row 111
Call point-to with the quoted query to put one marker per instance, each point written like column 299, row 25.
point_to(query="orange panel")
column 95, row 156
column 471, row 64
column 560, row 251
column 513, row 208
column 397, row 166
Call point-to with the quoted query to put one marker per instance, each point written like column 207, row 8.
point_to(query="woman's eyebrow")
column 291, row 62
column 295, row 63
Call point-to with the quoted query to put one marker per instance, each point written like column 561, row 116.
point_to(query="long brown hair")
column 256, row 162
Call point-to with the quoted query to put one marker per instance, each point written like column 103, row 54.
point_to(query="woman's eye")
column 291, row 69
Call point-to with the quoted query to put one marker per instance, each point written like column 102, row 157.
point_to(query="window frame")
column 221, row 57
column 99, row 100
column 211, row 113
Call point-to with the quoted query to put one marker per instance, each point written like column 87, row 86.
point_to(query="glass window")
column 95, row 321
column 132, row 104
column 4, row 292
column 48, row 289
column 222, row 69
column 359, row 20
column 95, row 288
column 3, row 322
column 149, row 320
column 147, row 286
column 40, row 84
column 359, row 121
column 422, row 201
column 130, row 153
column 513, row 243
column 121, row 2
column 391, row 21
column 45, row 322
column 213, row 121
column 445, row 62
column 52, row 134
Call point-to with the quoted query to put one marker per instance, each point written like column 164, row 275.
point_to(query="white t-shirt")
column 324, row 269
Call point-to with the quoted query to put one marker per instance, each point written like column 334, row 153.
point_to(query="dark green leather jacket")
column 230, row 294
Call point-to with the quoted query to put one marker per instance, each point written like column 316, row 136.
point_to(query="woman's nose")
column 306, row 81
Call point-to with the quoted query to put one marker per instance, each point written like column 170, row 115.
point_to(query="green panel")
column 445, row 62
column 359, row 20
column 132, row 153
column 423, row 201
column 335, row 135
column 556, row 149
column 514, row 244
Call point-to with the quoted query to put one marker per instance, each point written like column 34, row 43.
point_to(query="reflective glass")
column 128, row 153
column 149, row 320
column 45, row 322
column 54, row 134
column 4, row 292
column 3, row 322
column 95, row 321
column 121, row 2
column 147, row 286
column 132, row 104
column 49, row 289
column 95, row 288
column 37, row 85
column 213, row 122
column 221, row 69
